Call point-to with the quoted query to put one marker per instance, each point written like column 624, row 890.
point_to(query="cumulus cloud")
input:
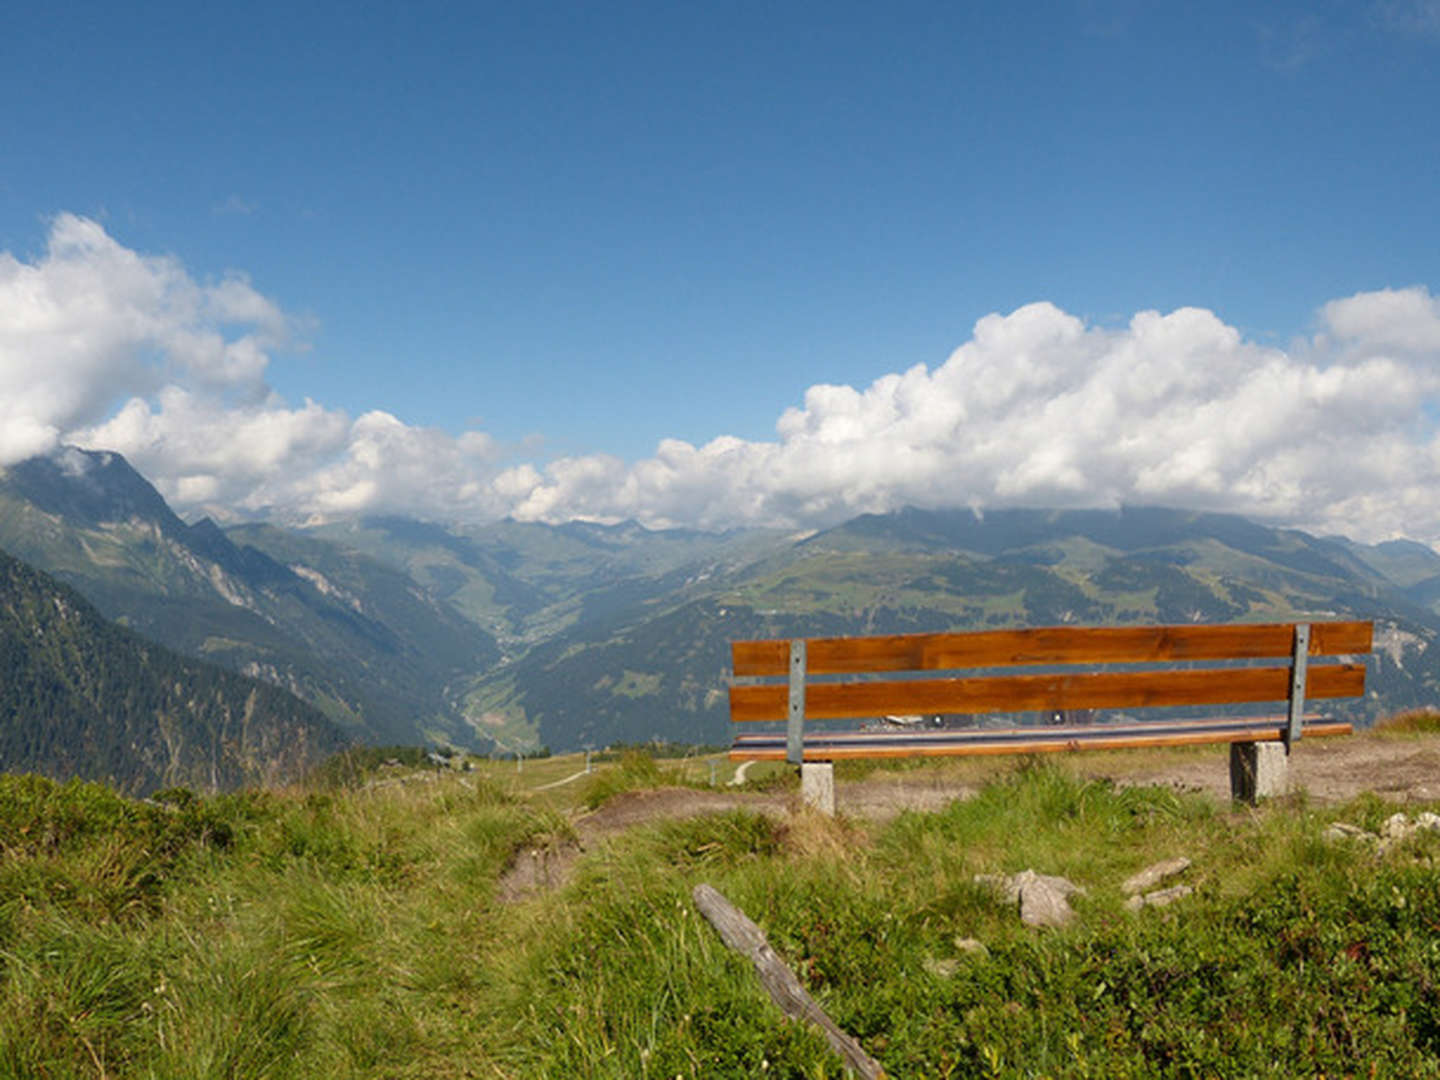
column 107, row 348
column 92, row 321
column 266, row 459
column 111, row 349
column 1039, row 409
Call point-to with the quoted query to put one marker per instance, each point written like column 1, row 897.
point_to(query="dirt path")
column 1403, row 769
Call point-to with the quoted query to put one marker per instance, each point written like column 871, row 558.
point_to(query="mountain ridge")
column 89, row 519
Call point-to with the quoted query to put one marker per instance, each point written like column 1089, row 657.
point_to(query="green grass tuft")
column 637, row 770
column 1414, row 722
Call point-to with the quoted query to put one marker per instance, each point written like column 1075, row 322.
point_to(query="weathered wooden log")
column 742, row 935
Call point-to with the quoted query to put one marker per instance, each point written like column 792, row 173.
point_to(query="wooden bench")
column 1141, row 667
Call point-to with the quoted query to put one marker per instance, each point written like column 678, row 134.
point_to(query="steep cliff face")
column 80, row 696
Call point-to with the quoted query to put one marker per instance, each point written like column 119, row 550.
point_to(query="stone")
column 1043, row 898
column 941, row 969
column 1396, row 827
column 817, row 786
column 1258, row 770
column 1158, row 898
column 1152, row 875
column 1426, row 820
column 1042, row 904
column 971, row 945
column 1343, row 830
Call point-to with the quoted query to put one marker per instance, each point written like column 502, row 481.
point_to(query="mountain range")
column 517, row 634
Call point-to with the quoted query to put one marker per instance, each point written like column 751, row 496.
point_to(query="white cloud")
column 92, row 321
column 112, row 349
column 1038, row 409
column 1402, row 319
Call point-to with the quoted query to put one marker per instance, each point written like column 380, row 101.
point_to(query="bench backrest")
column 801, row 697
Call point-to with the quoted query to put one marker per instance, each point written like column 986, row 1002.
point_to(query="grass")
column 355, row 930
column 1413, row 722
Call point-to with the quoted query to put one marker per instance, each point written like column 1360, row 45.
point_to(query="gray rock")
column 1042, row 904
column 941, row 969
column 1152, row 875
column 971, row 945
column 1043, row 898
column 1158, row 898
column 1396, row 827
column 1342, row 830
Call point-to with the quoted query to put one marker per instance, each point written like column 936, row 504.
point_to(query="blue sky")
column 602, row 226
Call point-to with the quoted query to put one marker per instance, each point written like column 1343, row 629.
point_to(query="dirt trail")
column 1403, row 769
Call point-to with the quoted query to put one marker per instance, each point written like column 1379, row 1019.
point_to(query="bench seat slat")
column 1048, row 645
column 1023, row 693
column 840, row 745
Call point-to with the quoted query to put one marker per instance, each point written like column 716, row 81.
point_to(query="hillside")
column 369, row 647
column 80, row 696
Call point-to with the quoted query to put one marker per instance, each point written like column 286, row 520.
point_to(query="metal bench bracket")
column 1297, row 683
column 795, row 718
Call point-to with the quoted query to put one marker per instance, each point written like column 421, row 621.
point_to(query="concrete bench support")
column 1258, row 770
column 817, row 786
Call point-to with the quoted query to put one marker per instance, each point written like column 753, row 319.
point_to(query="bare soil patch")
column 548, row 864
column 1399, row 768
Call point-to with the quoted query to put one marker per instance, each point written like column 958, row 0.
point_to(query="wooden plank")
column 1024, row 693
column 1050, row 645
column 740, row 933
column 1105, row 728
column 760, row 657
column 1163, row 736
column 1341, row 638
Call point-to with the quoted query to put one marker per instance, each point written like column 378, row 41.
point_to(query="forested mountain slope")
column 80, row 696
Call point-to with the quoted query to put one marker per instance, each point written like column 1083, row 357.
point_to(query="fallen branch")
column 742, row 935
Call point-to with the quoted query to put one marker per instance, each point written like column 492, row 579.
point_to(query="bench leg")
column 1258, row 770
column 817, row 786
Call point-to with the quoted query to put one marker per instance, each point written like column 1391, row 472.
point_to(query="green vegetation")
column 635, row 771
column 363, row 931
